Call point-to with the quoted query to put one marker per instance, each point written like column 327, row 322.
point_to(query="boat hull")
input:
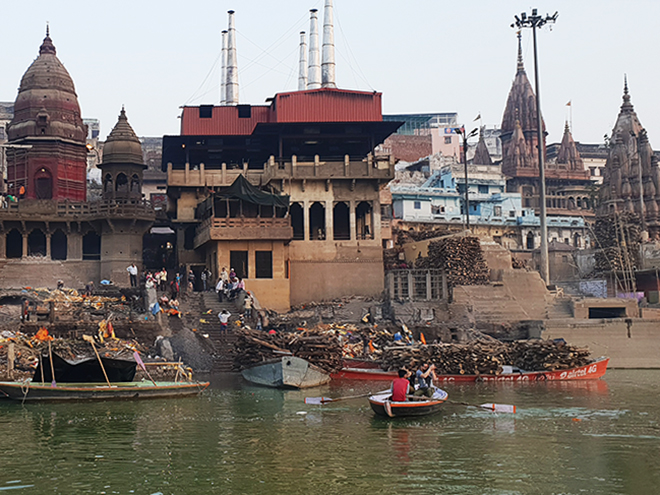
column 381, row 405
column 591, row 371
column 28, row 391
column 286, row 372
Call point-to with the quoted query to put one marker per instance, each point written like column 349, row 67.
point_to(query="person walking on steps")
column 133, row 272
column 223, row 316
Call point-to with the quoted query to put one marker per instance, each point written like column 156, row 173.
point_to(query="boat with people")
column 286, row 372
column 381, row 403
column 592, row 371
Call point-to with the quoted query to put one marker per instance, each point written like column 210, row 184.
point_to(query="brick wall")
column 409, row 148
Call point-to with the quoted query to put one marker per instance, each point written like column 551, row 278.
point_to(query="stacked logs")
column 460, row 257
column 320, row 349
column 486, row 357
column 617, row 241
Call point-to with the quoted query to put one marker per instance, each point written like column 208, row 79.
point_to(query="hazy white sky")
column 423, row 55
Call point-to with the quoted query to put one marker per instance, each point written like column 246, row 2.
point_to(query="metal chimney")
column 302, row 66
column 232, row 68
column 314, row 68
column 328, row 64
column 223, row 76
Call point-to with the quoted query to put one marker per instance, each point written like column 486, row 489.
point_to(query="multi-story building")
column 288, row 193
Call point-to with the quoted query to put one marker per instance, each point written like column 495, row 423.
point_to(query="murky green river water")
column 567, row 438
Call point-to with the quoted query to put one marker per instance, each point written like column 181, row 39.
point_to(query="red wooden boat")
column 591, row 371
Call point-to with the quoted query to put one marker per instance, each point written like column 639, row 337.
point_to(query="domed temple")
column 51, row 232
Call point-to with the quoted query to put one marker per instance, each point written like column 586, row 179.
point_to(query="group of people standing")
column 229, row 286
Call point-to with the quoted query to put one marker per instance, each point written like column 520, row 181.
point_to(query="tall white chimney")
column 232, row 68
column 314, row 68
column 302, row 65
column 223, row 76
column 328, row 64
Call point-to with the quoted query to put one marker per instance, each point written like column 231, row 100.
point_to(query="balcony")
column 70, row 210
column 243, row 229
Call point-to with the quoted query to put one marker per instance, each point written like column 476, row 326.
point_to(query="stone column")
column 306, row 220
column 25, row 244
column 352, row 220
column 329, row 224
column 375, row 215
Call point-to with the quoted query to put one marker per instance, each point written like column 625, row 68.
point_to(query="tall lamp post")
column 535, row 22
column 461, row 131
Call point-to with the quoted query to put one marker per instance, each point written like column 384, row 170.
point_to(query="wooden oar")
column 324, row 400
column 503, row 408
column 90, row 339
column 52, row 369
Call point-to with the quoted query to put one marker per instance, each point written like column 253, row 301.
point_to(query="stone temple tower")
column 47, row 120
column 123, row 164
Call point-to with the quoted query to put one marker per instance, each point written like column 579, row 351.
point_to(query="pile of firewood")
column 486, row 357
column 321, row 349
column 618, row 236
column 460, row 257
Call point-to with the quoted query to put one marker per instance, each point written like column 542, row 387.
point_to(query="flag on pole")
column 477, row 117
column 569, row 103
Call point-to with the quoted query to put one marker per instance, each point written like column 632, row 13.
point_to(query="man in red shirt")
column 401, row 386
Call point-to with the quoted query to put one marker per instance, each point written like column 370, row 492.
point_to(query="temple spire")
column 626, row 95
column 521, row 66
column 47, row 29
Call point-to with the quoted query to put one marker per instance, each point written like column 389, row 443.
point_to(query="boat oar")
column 52, row 369
column 139, row 361
column 503, row 408
column 324, row 400
column 90, row 339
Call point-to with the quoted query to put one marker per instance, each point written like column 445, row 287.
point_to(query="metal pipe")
column 302, row 65
column 328, row 60
column 232, row 64
column 314, row 67
column 223, row 76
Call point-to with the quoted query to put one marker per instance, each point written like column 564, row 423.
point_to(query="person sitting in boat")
column 401, row 386
column 425, row 376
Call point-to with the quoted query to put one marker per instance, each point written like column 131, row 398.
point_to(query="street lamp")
column 461, row 131
column 536, row 21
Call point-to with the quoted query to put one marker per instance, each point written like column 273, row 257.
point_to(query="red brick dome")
column 47, row 104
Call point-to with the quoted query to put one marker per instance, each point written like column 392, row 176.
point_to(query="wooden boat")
column 591, row 371
column 36, row 391
column 383, row 406
column 286, row 372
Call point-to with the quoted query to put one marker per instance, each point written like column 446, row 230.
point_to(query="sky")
column 423, row 55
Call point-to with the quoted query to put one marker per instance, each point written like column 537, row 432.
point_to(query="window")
column 418, row 205
column 497, row 211
column 91, row 246
column 244, row 111
column 483, row 189
column 447, row 139
column 239, row 262
column 263, row 264
column 512, row 213
column 205, row 111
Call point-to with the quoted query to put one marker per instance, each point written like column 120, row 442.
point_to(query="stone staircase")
column 223, row 342
column 560, row 308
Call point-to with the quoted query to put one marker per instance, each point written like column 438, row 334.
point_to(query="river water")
column 600, row 437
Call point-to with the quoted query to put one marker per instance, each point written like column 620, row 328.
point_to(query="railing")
column 417, row 285
column 71, row 209
column 221, row 229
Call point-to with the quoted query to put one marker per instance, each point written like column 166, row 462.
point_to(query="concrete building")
column 287, row 194
column 52, row 233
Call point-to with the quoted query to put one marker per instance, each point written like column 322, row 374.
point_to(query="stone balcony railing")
column 72, row 210
column 381, row 168
column 243, row 229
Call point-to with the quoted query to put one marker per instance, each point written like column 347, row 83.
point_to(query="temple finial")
column 566, row 128
column 47, row 29
column 521, row 66
column 626, row 94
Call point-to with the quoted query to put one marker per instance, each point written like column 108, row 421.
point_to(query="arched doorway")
column 317, row 222
column 341, row 222
column 530, row 240
column 364, row 220
column 37, row 243
column 135, row 185
column 91, row 246
column 43, row 184
column 58, row 245
column 107, row 183
column 122, row 184
column 296, row 214
column 14, row 244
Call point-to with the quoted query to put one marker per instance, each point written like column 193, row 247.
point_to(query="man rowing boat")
column 425, row 376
